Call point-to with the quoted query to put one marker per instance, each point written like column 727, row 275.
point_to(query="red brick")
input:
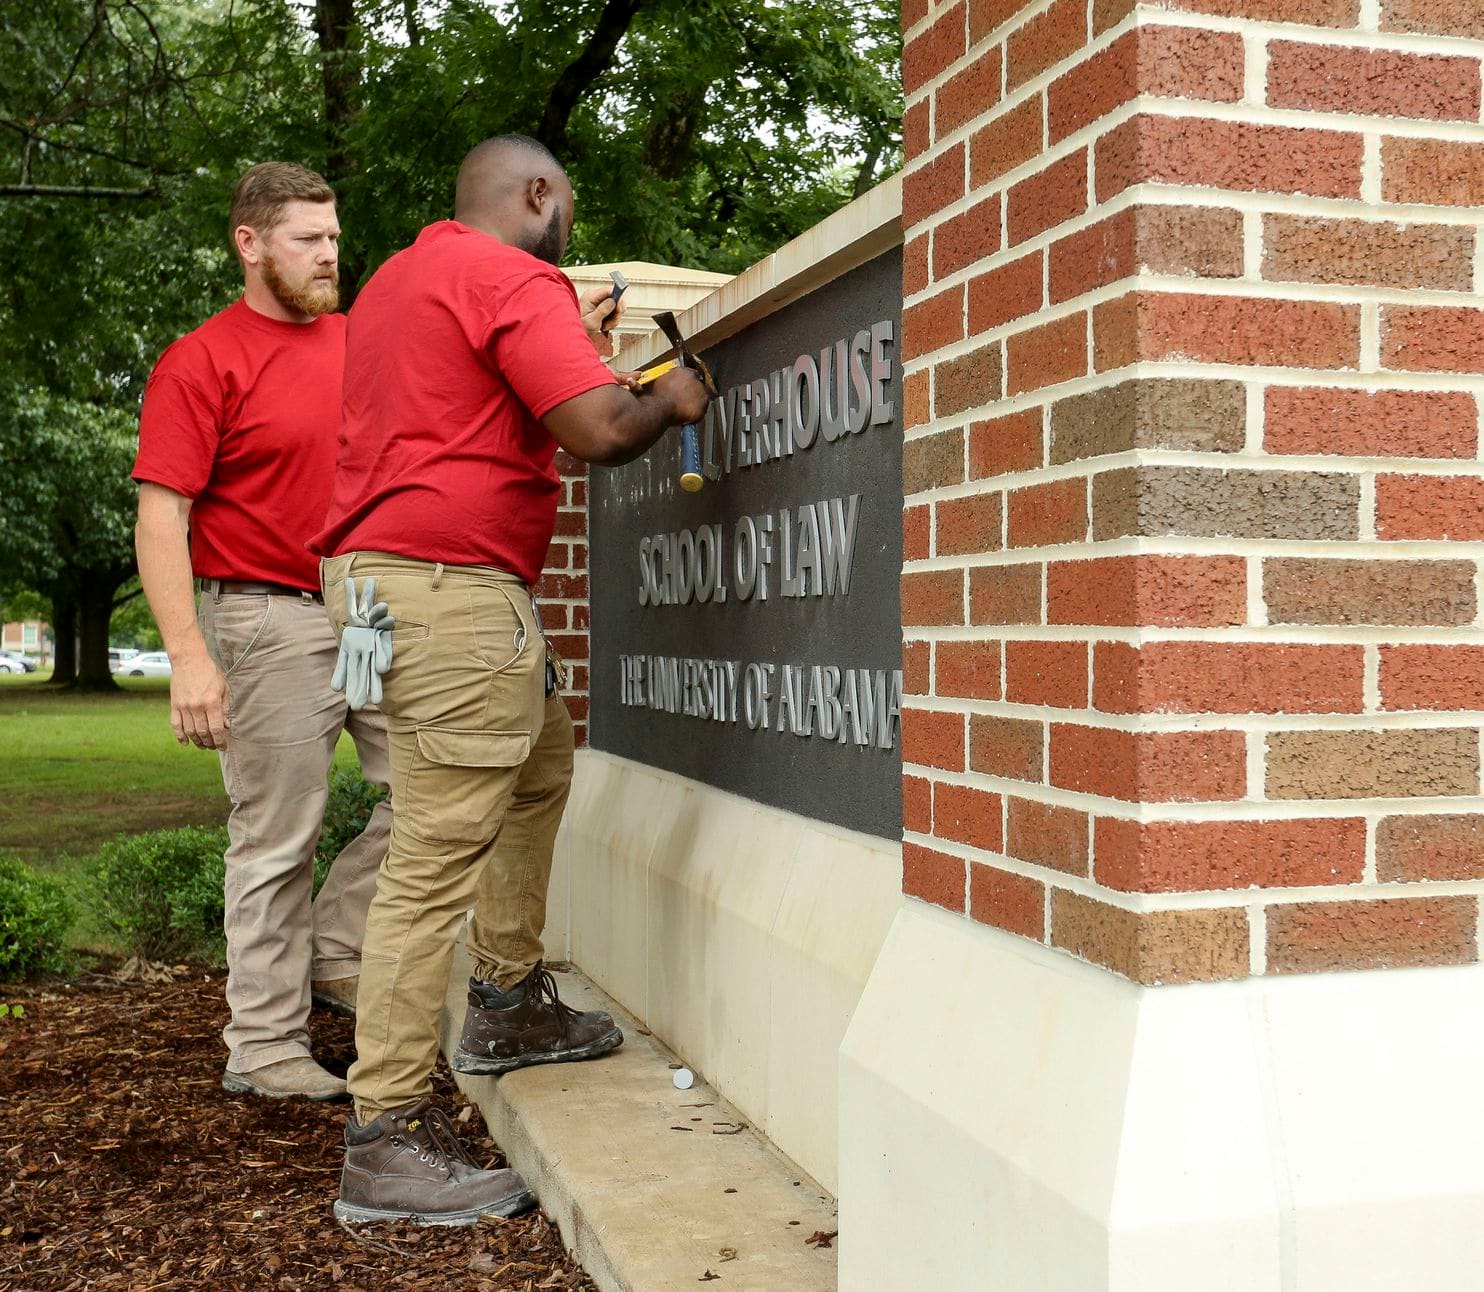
column 1314, row 13
column 965, row 238
column 1196, row 241
column 933, row 597
column 1322, row 937
column 986, row 16
column 1115, row 333
column 928, row 54
column 915, row 265
column 1430, row 507
column 933, row 876
column 1168, row 62
column 1152, row 946
column 1360, row 423
column 917, row 667
column 1422, row 339
column 1433, row 172
column 968, row 380
column 1228, row 677
column 1304, row 590
column 1107, row 14
column 563, row 587
column 1048, row 513
column 1008, row 747
column 1247, row 330
column 917, row 533
column 1047, row 355
column 1206, row 856
column 931, row 324
column 1007, row 901
column 932, row 186
column 1052, row 673
column 913, row 12
column 1330, row 78
column 969, row 525
column 1047, row 835
column 933, row 739
column 932, row 461
column 1432, row 677
column 1045, row 40
column 967, row 815
column 1228, row 154
column 970, row 93
column 1010, row 292
column 1149, row 766
column 917, row 399
column 1010, row 140
column 1047, row 199
column 1434, row 17
column 917, row 805
column 1441, row 847
column 1010, row 443
column 970, row 670
column 917, row 130
column 1149, row 591
column 1005, row 594
column 1368, row 253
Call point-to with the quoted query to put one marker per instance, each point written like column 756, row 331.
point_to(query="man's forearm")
column 165, row 571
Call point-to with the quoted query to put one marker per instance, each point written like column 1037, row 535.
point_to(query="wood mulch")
column 124, row 1164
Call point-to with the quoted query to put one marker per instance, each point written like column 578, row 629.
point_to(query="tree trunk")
column 64, row 629
column 94, row 612
column 335, row 30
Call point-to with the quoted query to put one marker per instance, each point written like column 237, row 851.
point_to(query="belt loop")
column 437, row 575
column 306, row 597
column 214, row 586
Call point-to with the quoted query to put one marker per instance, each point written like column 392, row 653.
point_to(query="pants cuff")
column 332, row 970
column 252, row 1060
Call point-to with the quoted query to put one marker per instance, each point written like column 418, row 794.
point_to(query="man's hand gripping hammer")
column 691, row 478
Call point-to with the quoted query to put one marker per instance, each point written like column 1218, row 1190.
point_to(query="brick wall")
column 1194, row 507
column 562, row 592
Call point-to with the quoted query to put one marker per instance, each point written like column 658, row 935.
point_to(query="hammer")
column 691, row 479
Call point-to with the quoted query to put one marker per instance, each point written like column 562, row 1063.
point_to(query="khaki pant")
column 278, row 654
column 481, row 764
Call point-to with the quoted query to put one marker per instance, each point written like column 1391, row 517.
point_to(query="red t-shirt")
column 457, row 347
column 241, row 416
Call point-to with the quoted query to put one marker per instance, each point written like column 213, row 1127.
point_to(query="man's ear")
column 249, row 245
column 537, row 193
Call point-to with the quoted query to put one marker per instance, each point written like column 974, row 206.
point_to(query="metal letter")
column 745, row 556
column 833, row 384
column 803, row 401
column 882, row 410
column 837, row 543
column 860, row 410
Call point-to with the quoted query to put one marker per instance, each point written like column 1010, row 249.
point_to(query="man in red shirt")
column 237, row 443
column 467, row 366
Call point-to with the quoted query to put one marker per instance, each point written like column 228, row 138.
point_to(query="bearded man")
column 237, row 444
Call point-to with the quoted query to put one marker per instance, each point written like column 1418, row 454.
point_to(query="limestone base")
column 1012, row 1118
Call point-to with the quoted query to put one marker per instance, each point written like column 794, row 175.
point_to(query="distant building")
column 652, row 289
column 28, row 637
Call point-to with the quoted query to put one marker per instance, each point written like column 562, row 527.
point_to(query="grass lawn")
column 75, row 770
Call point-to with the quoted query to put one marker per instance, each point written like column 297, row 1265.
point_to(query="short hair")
column 260, row 196
column 522, row 143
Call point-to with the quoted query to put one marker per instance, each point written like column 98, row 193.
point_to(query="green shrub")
column 34, row 918
column 351, row 801
column 161, row 894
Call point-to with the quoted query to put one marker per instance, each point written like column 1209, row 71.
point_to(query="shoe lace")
column 543, row 987
column 439, row 1144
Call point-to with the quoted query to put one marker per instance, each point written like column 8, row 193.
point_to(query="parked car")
column 10, row 662
column 119, row 655
column 154, row 663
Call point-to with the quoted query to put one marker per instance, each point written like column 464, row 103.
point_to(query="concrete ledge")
column 1020, row 1112
column 644, row 1207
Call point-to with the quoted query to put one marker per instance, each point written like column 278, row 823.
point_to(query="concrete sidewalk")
column 653, row 1188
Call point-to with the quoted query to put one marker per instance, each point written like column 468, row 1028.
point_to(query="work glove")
column 365, row 646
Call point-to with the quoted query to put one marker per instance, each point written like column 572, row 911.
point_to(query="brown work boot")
column 300, row 1076
column 338, row 995
column 411, row 1165
column 505, row 1030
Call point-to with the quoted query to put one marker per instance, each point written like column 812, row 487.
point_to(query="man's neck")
column 261, row 301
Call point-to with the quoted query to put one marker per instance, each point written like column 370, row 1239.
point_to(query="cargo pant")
column 277, row 654
column 481, row 765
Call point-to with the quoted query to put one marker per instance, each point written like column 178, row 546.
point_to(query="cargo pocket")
column 460, row 783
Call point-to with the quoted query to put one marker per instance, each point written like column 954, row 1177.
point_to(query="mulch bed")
column 124, row 1164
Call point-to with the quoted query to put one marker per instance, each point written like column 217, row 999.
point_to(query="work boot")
column 409, row 1164
column 300, row 1076
column 505, row 1030
column 337, row 995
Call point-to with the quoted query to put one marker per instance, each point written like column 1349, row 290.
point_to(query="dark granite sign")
column 749, row 635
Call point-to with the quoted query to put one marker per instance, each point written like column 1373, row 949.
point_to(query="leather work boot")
column 337, row 995
column 505, row 1030
column 409, row 1164
column 300, row 1076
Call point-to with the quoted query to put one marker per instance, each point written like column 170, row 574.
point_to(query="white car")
column 154, row 663
column 118, row 656
column 11, row 663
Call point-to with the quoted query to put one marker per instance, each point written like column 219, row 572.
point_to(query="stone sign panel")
column 749, row 635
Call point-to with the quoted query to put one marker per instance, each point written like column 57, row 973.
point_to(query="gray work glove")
column 365, row 646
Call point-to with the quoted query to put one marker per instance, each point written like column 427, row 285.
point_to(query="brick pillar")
column 1193, row 356
column 562, row 592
